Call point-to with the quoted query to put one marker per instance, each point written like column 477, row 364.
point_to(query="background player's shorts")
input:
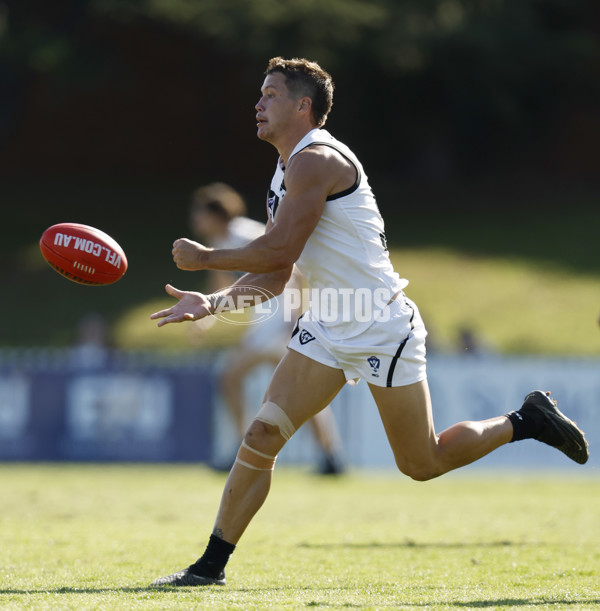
column 270, row 335
column 388, row 353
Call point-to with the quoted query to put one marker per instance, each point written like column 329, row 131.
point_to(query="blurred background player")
column 218, row 218
column 93, row 346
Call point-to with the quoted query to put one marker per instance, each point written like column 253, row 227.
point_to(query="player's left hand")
column 187, row 254
column 191, row 306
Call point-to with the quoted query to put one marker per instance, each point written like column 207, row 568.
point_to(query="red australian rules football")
column 83, row 254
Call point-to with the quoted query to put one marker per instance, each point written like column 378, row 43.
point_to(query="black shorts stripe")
column 398, row 354
column 392, row 368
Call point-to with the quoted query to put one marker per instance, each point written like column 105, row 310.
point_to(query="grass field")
column 93, row 536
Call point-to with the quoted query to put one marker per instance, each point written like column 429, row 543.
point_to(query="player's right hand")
column 187, row 254
column 191, row 306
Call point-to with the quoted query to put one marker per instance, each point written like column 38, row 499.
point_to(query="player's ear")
column 304, row 104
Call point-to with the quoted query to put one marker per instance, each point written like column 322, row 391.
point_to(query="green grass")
column 93, row 537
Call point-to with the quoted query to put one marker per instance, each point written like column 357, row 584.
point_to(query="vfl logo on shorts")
column 305, row 337
column 374, row 363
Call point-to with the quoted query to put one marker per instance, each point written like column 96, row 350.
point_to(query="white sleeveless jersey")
column 345, row 260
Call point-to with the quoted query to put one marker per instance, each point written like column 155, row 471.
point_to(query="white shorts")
column 388, row 353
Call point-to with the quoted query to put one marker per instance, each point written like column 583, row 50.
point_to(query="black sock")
column 215, row 557
column 525, row 425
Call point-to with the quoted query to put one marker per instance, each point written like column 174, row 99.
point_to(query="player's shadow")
column 75, row 590
column 512, row 602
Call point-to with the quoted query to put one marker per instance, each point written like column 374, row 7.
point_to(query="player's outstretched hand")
column 191, row 306
column 187, row 254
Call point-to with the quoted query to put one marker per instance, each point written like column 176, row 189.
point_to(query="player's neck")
column 288, row 143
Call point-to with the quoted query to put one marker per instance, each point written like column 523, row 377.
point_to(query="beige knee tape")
column 253, row 459
column 271, row 413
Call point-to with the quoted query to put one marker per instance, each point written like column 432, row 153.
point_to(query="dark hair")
column 220, row 199
column 306, row 78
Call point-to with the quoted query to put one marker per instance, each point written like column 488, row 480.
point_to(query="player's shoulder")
column 317, row 158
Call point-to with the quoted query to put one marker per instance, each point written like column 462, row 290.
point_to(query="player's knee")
column 260, row 433
column 254, row 459
column 416, row 471
column 274, row 416
column 423, row 476
column 268, row 432
column 259, row 447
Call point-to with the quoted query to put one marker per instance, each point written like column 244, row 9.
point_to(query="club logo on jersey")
column 305, row 337
column 272, row 203
column 374, row 363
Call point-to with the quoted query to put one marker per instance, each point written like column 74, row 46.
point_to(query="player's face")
column 275, row 109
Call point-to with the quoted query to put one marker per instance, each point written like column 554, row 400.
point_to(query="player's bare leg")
column 246, row 489
column 421, row 453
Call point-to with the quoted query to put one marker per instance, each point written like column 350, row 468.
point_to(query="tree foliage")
column 453, row 81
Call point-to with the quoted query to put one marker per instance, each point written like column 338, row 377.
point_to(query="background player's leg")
column 301, row 387
column 421, row 453
column 231, row 383
column 325, row 432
